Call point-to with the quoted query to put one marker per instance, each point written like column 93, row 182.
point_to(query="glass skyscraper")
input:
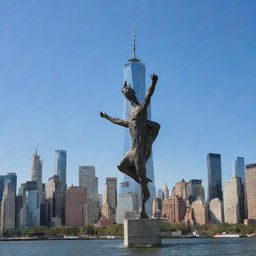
column 60, row 164
column 214, row 176
column 240, row 168
column 5, row 179
column 134, row 75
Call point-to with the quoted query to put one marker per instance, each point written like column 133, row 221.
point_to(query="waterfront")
column 172, row 247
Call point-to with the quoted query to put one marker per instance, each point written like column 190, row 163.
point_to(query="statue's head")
column 129, row 93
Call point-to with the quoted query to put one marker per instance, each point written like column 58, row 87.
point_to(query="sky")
column 62, row 62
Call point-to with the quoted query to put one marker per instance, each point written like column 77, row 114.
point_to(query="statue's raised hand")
column 104, row 115
column 154, row 77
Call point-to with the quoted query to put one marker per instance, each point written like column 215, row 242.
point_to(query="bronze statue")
column 143, row 133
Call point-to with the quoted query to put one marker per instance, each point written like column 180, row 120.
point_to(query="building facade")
column 216, row 211
column 89, row 181
column 56, row 199
column 200, row 212
column 195, row 189
column 90, row 212
column 251, row 190
column 214, row 176
column 11, row 178
column 127, row 207
column 174, row 209
column 37, row 165
column 7, row 218
column 110, row 199
column 60, row 164
column 180, row 189
column 75, row 199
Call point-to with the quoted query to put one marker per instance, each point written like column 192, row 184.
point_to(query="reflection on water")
column 171, row 247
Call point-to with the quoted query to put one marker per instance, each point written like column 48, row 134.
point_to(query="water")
column 171, row 247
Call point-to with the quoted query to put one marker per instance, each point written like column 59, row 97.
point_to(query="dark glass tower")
column 214, row 176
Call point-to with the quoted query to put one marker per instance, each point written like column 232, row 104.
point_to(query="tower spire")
column 133, row 42
column 134, row 58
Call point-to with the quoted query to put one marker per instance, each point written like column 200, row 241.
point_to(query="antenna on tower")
column 133, row 42
column 134, row 58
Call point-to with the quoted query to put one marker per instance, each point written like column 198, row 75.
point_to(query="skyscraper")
column 60, row 164
column 214, row 176
column 194, row 190
column 134, row 75
column 11, row 178
column 251, row 190
column 234, row 201
column 110, row 198
column 7, row 218
column 75, row 199
column 37, row 171
column 88, row 181
column 240, row 168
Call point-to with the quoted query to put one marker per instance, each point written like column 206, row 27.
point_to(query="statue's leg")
column 127, row 166
column 141, row 172
column 154, row 128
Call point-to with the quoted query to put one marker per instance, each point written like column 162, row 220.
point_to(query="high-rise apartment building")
column 251, row 190
column 234, row 201
column 110, row 199
column 89, row 181
column 37, row 165
column 90, row 212
column 214, row 176
column 60, row 164
column 134, row 75
column 75, row 199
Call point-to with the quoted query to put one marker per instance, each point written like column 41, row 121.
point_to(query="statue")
column 143, row 133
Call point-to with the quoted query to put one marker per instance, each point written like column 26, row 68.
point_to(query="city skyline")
column 58, row 73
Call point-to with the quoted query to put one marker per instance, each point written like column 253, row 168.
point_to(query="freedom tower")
column 134, row 75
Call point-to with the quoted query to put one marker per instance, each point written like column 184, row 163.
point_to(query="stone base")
column 142, row 232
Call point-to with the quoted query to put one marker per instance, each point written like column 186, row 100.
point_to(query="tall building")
column 75, row 199
column 60, row 164
column 127, row 207
column 157, row 208
column 56, row 199
column 7, row 218
column 37, row 170
column 240, row 168
column 89, row 181
column 180, row 189
column 194, row 190
column 160, row 194
column 200, row 212
column 166, row 192
column 251, row 190
column 11, row 178
column 214, row 176
column 234, row 201
column 174, row 209
column 90, row 212
column 134, row 75
column 110, row 199
column 216, row 211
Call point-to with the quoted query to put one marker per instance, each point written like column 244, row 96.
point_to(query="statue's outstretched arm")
column 114, row 119
column 151, row 90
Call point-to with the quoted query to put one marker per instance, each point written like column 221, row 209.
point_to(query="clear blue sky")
column 61, row 63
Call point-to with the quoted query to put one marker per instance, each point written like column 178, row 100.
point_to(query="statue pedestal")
column 142, row 232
